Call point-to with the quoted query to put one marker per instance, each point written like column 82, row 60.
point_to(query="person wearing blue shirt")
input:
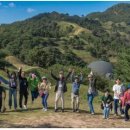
column 76, row 82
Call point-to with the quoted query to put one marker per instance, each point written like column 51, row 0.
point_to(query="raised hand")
column 70, row 70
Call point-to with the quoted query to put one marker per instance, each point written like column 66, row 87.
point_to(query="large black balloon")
column 101, row 67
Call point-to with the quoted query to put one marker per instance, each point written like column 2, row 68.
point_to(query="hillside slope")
column 55, row 38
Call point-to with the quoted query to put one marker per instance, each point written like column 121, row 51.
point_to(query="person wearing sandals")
column 44, row 92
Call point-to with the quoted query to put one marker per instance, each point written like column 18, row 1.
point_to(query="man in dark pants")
column 23, row 88
column 126, row 103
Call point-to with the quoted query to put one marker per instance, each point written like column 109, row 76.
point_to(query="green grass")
column 36, row 108
column 35, row 117
column 76, row 28
column 84, row 55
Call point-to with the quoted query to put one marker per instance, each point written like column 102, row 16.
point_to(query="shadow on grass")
column 4, row 124
column 51, row 109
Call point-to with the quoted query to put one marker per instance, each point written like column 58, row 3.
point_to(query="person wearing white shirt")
column 117, row 92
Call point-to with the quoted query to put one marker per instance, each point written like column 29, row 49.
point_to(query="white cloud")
column 30, row 10
column 11, row 5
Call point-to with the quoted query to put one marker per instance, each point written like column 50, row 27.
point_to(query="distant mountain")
column 116, row 13
column 51, row 38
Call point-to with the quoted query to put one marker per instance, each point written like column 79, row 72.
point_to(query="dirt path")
column 67, row 119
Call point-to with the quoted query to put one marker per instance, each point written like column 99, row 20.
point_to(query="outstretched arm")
column 53, row 76
column 19, row 72
column 68, row 75
column 72, row 75
column 81, row 77
column 8, row 73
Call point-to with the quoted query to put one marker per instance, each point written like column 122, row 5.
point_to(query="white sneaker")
column 25, row 107
column 103, row 117
column 122, row 115
column 45, row 109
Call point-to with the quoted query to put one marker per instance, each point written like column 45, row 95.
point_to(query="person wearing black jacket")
column 60, row 88
column 23, row 83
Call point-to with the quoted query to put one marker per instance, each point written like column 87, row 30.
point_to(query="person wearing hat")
column 33, row 82
column 44, row 92
column 76, row 82
column 126, row 103
column 2, row 98
column 60, row 87
column 92, row 92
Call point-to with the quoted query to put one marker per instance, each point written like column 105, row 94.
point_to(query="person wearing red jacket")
column 126, row 103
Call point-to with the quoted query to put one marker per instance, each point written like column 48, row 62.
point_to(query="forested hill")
column 54, row 38
column 116, row 13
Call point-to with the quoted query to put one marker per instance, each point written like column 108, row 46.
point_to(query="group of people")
column 121, row 100
column 41, row 88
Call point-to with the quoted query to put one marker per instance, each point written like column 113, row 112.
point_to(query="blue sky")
column 16, row 11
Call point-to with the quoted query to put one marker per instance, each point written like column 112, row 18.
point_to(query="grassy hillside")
column 55, row 38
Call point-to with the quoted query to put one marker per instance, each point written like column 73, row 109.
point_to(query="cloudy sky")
column 16, row 11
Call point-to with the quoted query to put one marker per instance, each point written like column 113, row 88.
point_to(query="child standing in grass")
column 106, row 104
column 2, row 98
column 44, row 92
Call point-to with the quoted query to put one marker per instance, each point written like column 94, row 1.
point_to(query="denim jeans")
column 106, row 112
column 126, row 111
column 12, row 92
column 34, row 95
column 90, row 98
column 121, row 110
column 116, row 103
column 44, row 100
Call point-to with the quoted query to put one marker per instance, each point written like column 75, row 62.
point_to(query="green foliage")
column 103, row 83
column 3, row 63
column 50, row 38
column 122, row 67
